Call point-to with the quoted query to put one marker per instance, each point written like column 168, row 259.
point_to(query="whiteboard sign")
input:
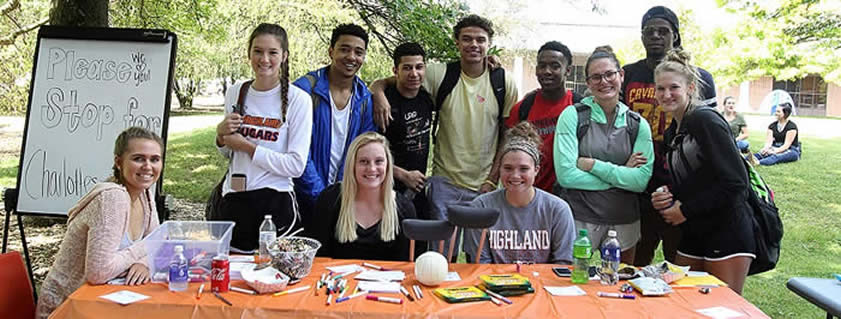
column 88, row 85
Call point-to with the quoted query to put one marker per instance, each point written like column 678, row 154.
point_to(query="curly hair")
column 474, row 21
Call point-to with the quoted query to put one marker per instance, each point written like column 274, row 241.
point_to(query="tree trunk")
column 79, row 13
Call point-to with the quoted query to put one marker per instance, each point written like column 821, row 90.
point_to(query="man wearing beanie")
column 660, row 33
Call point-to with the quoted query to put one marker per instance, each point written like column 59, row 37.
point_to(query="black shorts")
column 727, row 239
column 248, row 209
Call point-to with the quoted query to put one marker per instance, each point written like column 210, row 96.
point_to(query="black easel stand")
column 10, row 197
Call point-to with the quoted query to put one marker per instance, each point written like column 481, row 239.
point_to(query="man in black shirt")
column 660, row 34
column 408, row 133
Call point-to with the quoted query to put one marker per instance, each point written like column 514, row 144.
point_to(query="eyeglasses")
column 597, row 78
column 662, row 31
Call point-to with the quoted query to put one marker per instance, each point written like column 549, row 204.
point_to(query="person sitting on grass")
column 360, row 217
column 542, row 223
column 106, row 227
column 738, row 126
column 782, row 144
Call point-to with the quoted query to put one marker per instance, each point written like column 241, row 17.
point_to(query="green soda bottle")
column 581, row 252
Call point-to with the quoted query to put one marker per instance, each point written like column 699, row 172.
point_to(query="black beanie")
column 665, row 14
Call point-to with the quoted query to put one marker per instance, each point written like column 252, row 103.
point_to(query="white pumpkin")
column 431, row 268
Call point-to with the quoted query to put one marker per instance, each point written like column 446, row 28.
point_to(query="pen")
column 343, row 299
column 615, row 295
column 198, row 294
column 493, row 294
column 385, row 299
column 406, row 293
column 373, row 266
column 291, row 291
column 418, row 291
column 222, row 298
column 243, row 291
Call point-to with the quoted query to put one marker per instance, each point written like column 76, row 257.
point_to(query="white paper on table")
column 124, row 297
column 720, row 312
column 345, row 269
column 379, row 286
column 452, row 276
column 236, row 269
column 376, row 275
column 565, row 291
column 697, row 274
column 241, row 259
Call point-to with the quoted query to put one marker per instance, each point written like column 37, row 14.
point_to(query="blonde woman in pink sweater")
column 105, row 228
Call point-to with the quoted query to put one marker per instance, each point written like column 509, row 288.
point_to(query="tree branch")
column 10, row 38
column 9, row 6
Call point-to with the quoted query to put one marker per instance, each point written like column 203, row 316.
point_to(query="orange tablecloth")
column 85, row 302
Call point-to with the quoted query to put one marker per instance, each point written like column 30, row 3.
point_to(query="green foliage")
column 428, row 22
column 193, row 165
column 17, row 57
column 786, row 39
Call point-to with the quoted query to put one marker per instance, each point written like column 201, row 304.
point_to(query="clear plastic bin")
column 202, row 241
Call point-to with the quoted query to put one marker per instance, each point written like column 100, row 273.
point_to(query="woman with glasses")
column 602, row 157
column 708, row 199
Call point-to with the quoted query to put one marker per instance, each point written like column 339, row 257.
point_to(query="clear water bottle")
column 581, row 253
column 610, row 251
column 178, row 267
column 268, row 234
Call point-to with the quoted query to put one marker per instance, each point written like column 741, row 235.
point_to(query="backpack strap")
column 525, row 106
column 313, row 96
column 450, row 80
column 239, row 108
column 498, row 86
column 632, row 125
column 583, row 119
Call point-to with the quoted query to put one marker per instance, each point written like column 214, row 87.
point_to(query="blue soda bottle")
column 178, row 267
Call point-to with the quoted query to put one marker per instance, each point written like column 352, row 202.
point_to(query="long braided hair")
column 279, row 33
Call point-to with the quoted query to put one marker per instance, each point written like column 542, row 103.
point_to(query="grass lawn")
column 808, row 195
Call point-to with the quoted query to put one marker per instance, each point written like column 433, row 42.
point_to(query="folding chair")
column 471, row 217
column 426, row 230
column 16, row 292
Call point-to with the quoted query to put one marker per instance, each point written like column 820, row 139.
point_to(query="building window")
column 577, row 81
column 808, row 93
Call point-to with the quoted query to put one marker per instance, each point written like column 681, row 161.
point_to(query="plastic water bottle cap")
column 611, row 233
column 268, row 217
column 582, row 232
column 179, row 249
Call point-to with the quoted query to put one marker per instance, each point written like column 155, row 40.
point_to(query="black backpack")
column 451, row 77
column 767, row 226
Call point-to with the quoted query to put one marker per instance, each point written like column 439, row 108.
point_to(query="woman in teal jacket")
column 603, row 170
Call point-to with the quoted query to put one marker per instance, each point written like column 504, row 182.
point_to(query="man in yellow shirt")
column 470, row 118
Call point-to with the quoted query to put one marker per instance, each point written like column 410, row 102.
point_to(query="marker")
column 343, row 299
column 385, row 299
column 493, row 294
column 198, row 294
column 243, row 291
column 615, row 295
column 374, row 266
column 329, row 298
column 496, row 301
column 222, row 298
column 339, row 276
column 406, row 293
column 418, row 292
column 291, row 291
